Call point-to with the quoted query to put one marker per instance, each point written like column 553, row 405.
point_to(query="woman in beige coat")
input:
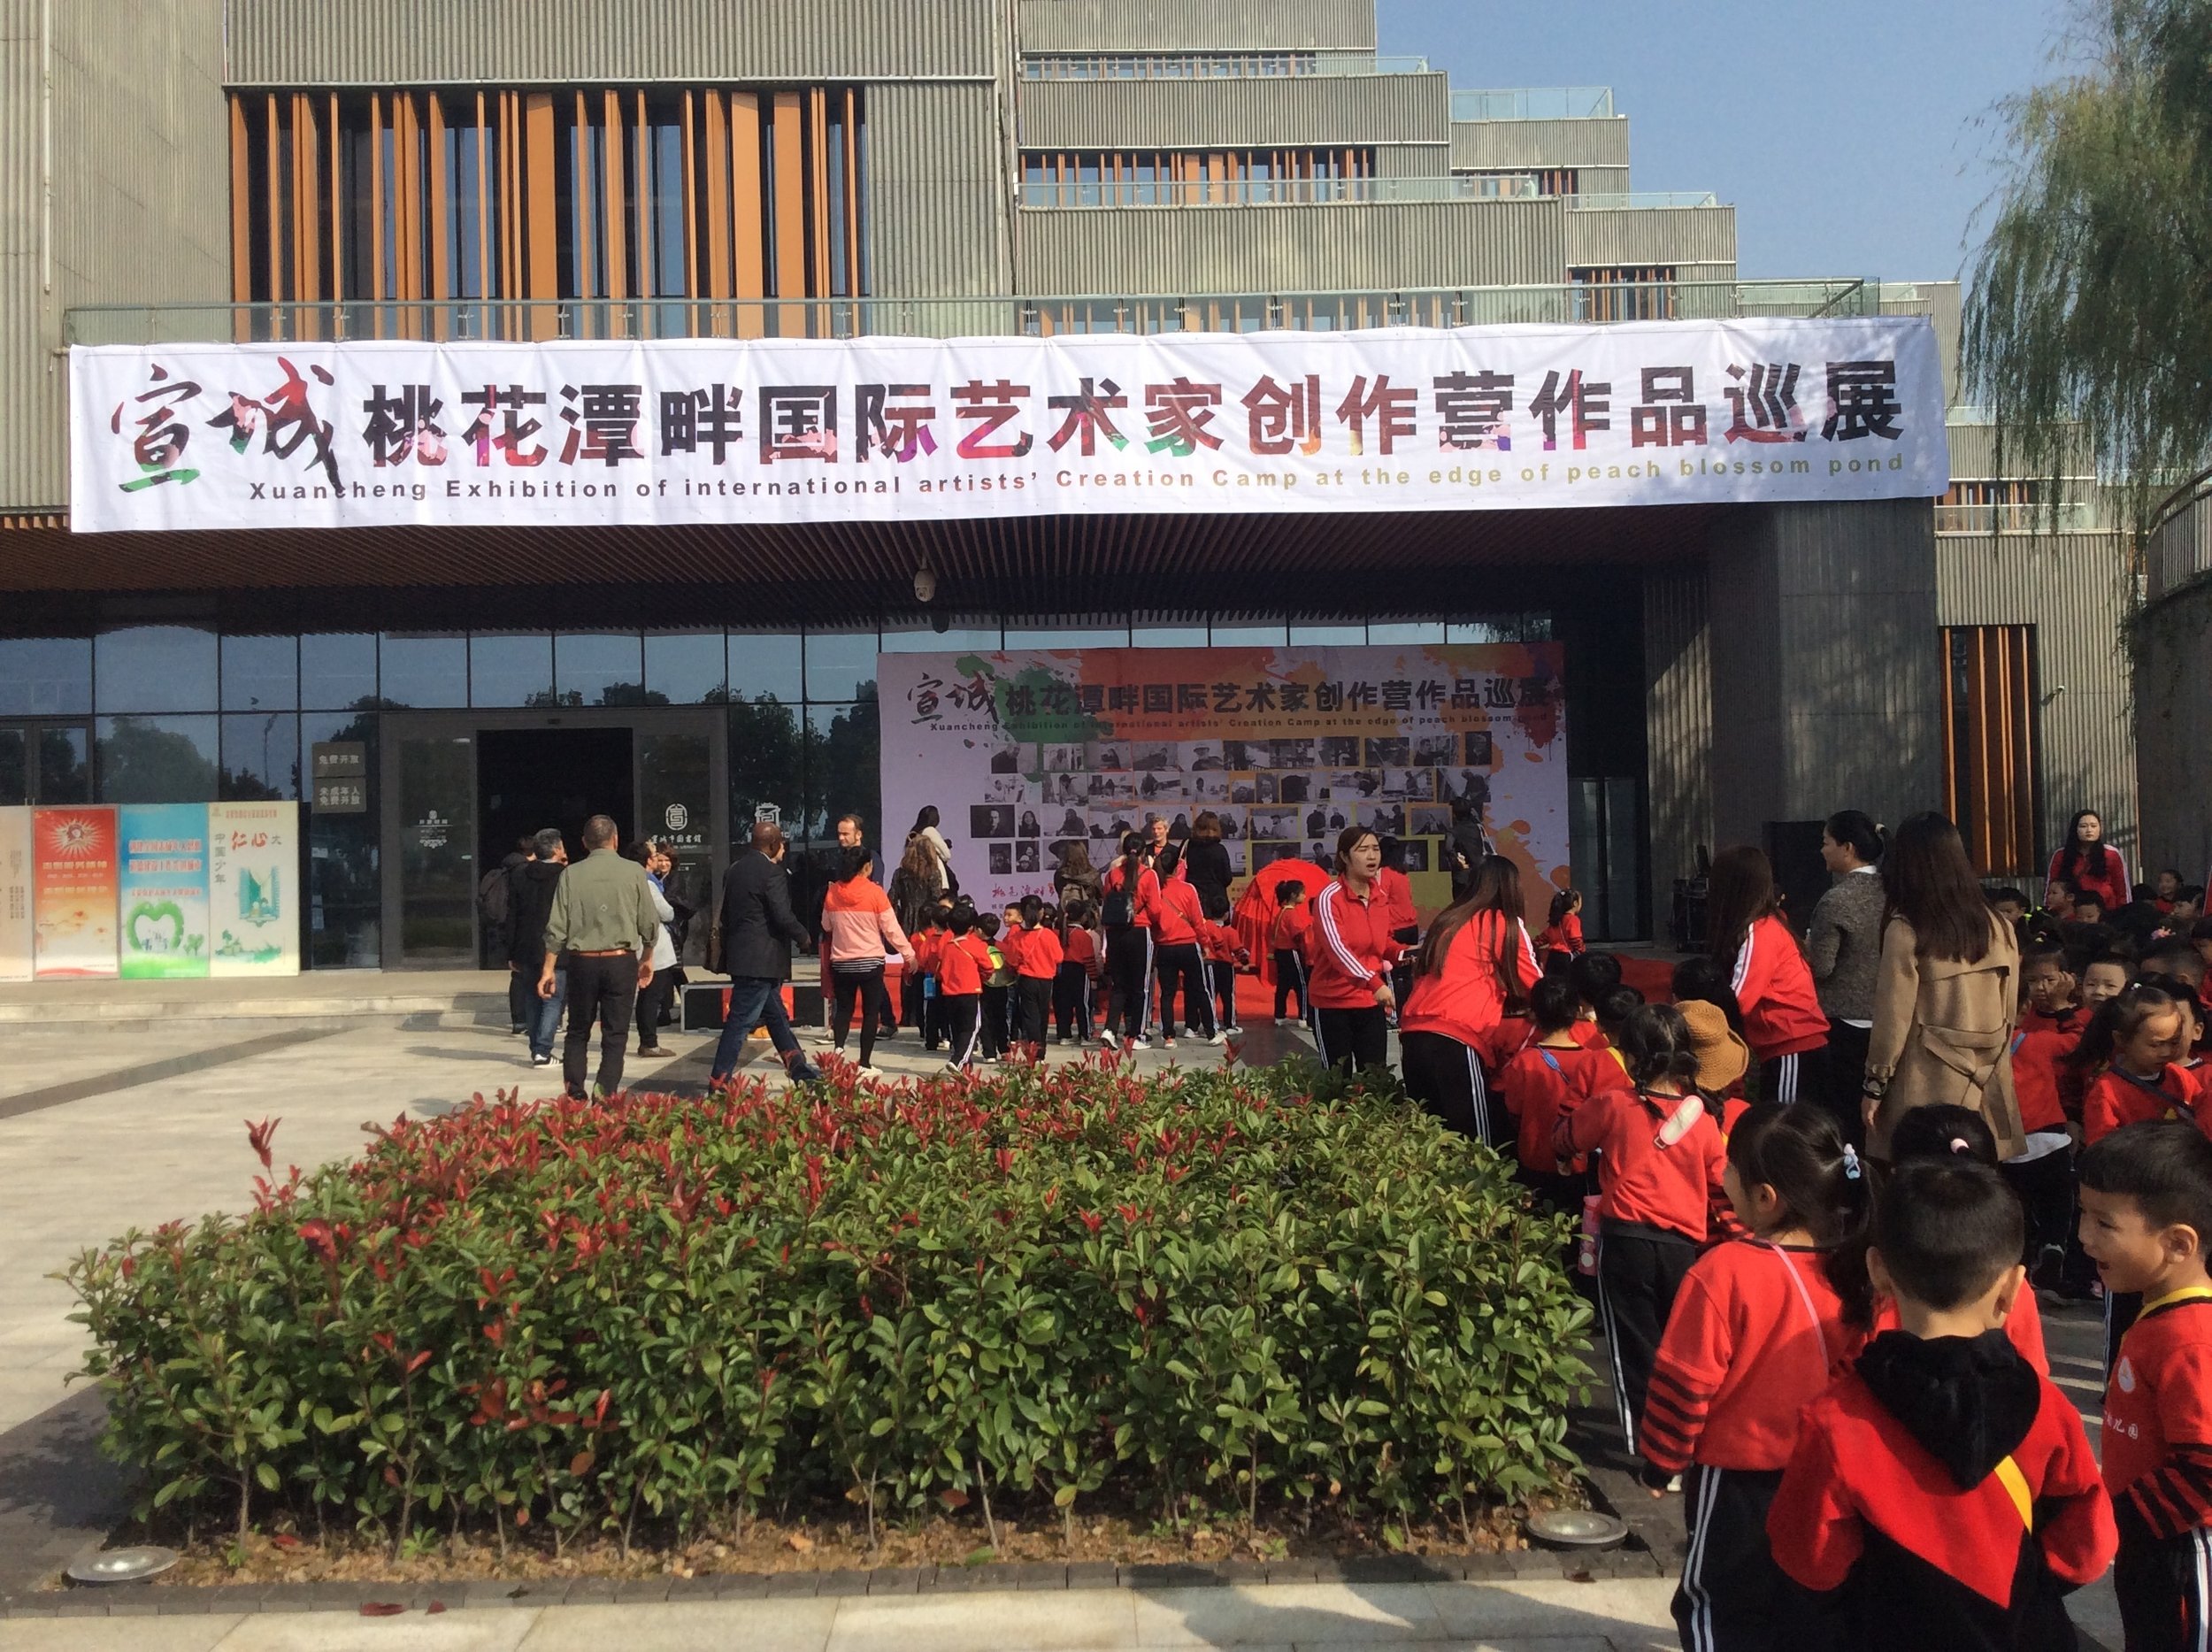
column 1946, row 993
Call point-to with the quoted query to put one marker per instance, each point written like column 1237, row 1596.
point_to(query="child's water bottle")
column 1587, row 1252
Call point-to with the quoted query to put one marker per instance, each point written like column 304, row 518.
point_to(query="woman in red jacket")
column 1177, row 954
column 1475, row 969
column 1782, row 1016
column 1351, row 951
column 2091, row 864
column 1129, row 905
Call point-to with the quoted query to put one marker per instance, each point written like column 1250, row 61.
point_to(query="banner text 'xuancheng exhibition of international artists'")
column 315, row 433
column 1027, row 751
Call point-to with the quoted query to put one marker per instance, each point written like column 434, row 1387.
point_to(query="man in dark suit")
column 758, row 930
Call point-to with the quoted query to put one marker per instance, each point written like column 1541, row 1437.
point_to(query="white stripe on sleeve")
column 1325, row 914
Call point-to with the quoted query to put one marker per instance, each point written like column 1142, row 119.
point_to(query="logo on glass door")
column 676, row 817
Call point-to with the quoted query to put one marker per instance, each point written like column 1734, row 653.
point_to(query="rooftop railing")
column 1212, row 65
column 2072, row 516
column 1640, row 200
column 1253, row 191
column 1535, row 103
column 549, row 319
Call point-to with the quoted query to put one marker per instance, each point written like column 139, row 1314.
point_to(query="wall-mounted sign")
column 339, row 776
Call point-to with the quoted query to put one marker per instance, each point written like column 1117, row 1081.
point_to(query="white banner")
column 253, row 868
column 1026, row 752
column 576, row 433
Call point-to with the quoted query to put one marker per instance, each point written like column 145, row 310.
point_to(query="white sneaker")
column 1109, row 1041
column 1222, row 1037
column 1165, row 1043
column 1287, row 1020
column 541, row 1061
column 870, row 1073
column 1233, row 1031
column 1143, row 1043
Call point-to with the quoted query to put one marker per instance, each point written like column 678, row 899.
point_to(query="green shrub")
column 1037, row 1284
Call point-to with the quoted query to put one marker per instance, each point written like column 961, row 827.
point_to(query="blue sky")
column 1853, row 139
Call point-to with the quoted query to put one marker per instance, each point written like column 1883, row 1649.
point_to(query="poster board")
column 74, row 871
column 162, row 909
column 1023, row 751
column 15, row 894
column 253, row 897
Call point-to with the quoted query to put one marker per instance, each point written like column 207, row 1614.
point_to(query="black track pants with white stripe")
column 1786, row 1078
column 1446, row 1076
column 2164, row 1586
column 1734, row 1598
column 1639, row 1273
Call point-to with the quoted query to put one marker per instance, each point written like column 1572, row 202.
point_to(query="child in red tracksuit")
column 2146, row 1209
column 1349, row 953
column 1177, row 956
column 1562, row 929
column 1035, row 952
column 1072, row 985
column 1942, row 1490
column 1663, row 1168
column 1286, row 940
column 1225, row 954
column 1543, row 1081
column 1767, row 971
column 2050, row 1096
column 2131, row 1050
column 1762, row 1324
column 963, row 963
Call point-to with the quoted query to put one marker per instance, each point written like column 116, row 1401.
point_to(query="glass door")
column 45, row 763
column 683, row 797
column 430, row 815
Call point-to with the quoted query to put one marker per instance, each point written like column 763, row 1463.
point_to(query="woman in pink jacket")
column 858, row 932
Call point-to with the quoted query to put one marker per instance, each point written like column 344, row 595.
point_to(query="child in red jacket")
column 1035, row 951
column 1660, row 1172
column 963, row 963
column 1286, row 940
column 2050, row 1096
column 1773, row 984
column 2130, row 1052
column 1225, row 954
column 1942, row 1486
column 1072, row 985
column 1563, row 929
column 1543, row 1081
column 1762, row 1324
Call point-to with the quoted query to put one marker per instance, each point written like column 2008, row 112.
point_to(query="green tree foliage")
column 2088, row 314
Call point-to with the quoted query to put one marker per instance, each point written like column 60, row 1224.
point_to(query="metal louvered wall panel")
column 2173, row 713
column 2073, row 589
column 1679, row 726
column 140, row 169
column 937, row 212
column 1080, row 25
column 1257, row 112
column 1485, row 144
column 1410, row 160
column 1374, row 246
column 1698, row 242
column 512, row 42
column 1939, row 300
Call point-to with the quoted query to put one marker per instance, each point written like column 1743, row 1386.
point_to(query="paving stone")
column 895, row 1580
column 82, row 1604
column 630, row 1591
column 1094, row 1574
column 1488, row 1568
column 137, row 1604
column 702, row 1587
column 36, row 1608
column 741, row 1585
column 1243, row 1571
column 588, row 1591
column 787, row 1584
column 1293, row 1571
column 844, row 1580
column 1032, row 1574
column 233, row 1597
column 288, row 1598
column 1174, row 1575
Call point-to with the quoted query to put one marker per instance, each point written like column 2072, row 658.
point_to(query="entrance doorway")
column 527, row 779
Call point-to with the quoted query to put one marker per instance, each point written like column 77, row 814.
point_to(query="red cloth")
column 1748, row 1347
column 1639, row 1180
column 1255, row 910
column 2116, row 1098
column 2023, row 1327
column 1035, row 954
column 1147, row 892
column 1465, row 1000
column 1857, row 1467
column 1540, row 1084
column 2104, row 873
column 1774, row 987
column 2158, row 1417
column 1350, row 949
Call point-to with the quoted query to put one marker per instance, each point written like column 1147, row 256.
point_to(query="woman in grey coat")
column 1845, row 949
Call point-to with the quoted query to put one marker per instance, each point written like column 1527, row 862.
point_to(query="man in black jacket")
column 758, row 930
column 530, row 902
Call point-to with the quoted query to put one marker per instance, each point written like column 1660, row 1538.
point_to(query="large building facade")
column 274, row 170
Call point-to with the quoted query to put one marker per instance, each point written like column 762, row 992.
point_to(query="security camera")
column 925, row 584
column 941, row 622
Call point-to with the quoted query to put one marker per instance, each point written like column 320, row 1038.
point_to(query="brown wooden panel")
column 715, row 147
column 818, row 193
column 376, row 205
column 584, row 243
column 542, row 232
column 852, row 193
column 647, row 280
column 337, row 204
column 790, row 196
column 486, row 217
column 304, row 283
column 240, row 211
column 616, row 200
column 691, row 200
column 748, row 211
column 272, row 188
column 441, row 212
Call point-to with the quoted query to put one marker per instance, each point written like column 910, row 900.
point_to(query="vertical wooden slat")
column 616, row 200
column 1950, row 739
column 440, row 211
column 510, row 270
column 817, row 197
column 485, row 216
column 691, row 206
column 790, row 198
column 747, row 207
column 302, row 202
column 648, row 275
column 716, row 146
column 407, row 207
column 337, row 208
column 376, row 207
column 852, row 193
column 272, row 189
column 240, row 218
column 587, row 242
column 544, row 228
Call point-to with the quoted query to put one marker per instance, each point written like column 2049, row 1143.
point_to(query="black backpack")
column 1118, row 908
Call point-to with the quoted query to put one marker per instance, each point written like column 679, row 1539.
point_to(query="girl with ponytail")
column 1662, row 1171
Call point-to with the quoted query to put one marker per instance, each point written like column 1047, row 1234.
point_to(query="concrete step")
column 424, row 999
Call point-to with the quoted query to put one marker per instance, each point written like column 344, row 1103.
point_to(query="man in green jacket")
column 601, row 933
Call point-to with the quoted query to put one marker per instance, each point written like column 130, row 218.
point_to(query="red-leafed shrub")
column 1041, row 1284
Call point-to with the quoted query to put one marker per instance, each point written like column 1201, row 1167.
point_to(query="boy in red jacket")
column 1286, row 939
column 1942, row 1483
column 1079, row 962
column 1035, row 953
column 2146, row 1212
column 963, row 963
column 2050, row 1092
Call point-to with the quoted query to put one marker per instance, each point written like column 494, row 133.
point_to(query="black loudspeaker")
column 1794, row 850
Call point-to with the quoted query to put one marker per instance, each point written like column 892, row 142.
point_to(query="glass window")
column 1328, row 637
column 967, row 633
column 765, row 763
column 260, row 672
column 345, row 905
column 337, row 670
column 1074, row 637
column 1411, row 631
column 513, row 669
column 155, row 668
column 844, row 751
column 1168, row 636
column 1479, row 631
column 261, row 757
column 765, row 662
column 686, row 668
column 598, row 668
column 45, row 676
column 1247, row 636
column 65, row 765
column 159, row 759
column 15, row 767
column 417, row 670
column 837, row 663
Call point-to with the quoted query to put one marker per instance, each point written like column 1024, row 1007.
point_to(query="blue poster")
column 161, row 929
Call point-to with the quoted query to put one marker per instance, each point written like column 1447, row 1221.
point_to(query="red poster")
column 74, row 873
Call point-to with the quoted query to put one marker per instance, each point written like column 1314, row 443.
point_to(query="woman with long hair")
column 1844, row 947
column 1129, row 907
column 1352, row 952
column 1766, row 968
column 1946, row 992
column 2091, row 864
column 1074, row 879
column 913, row 892
column 925, row 832
column 1474, row 969
column 1206, row 864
